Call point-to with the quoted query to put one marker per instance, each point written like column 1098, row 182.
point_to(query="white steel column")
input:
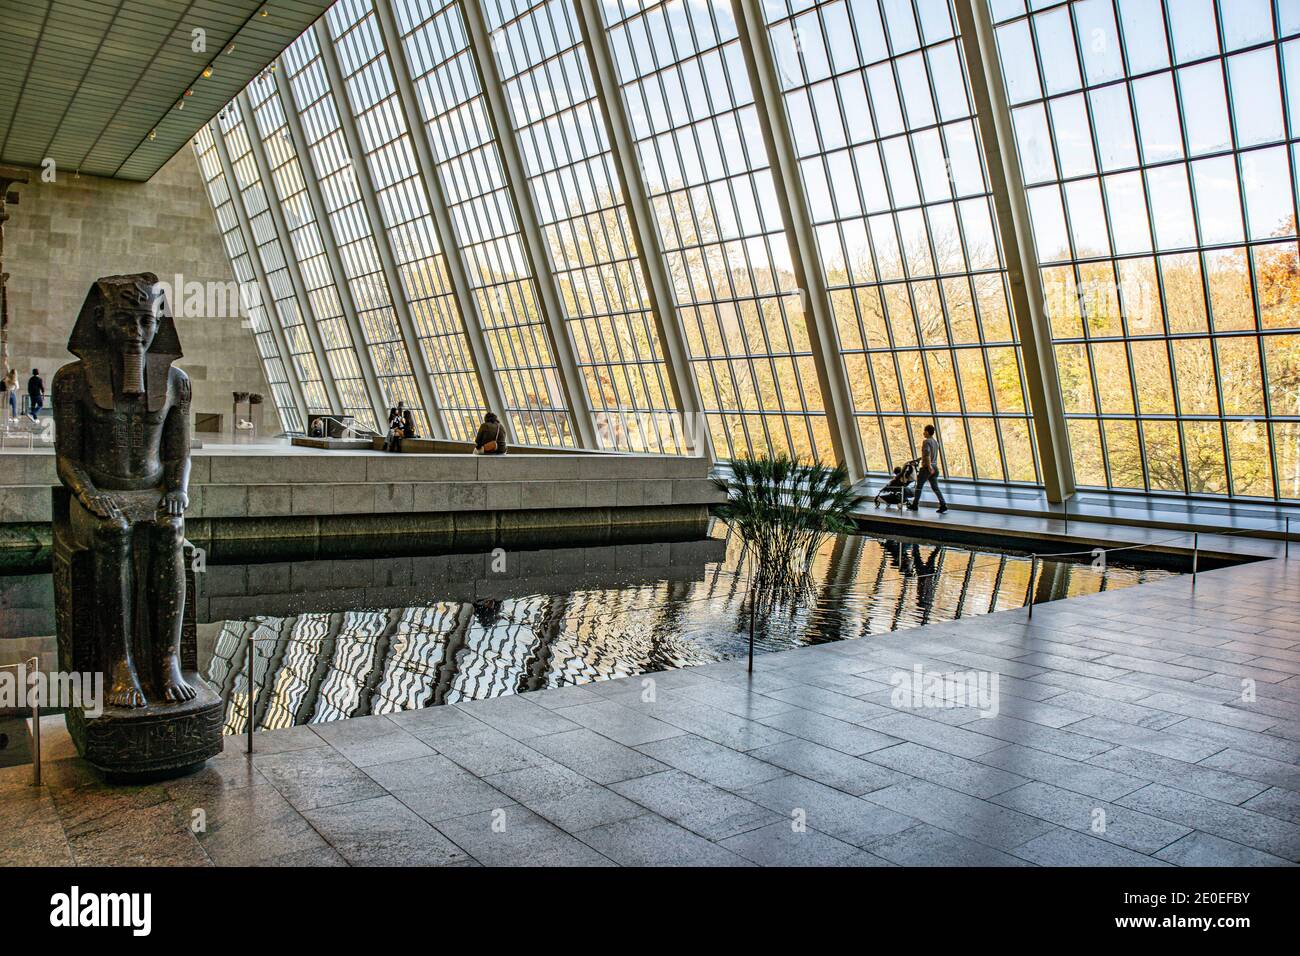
column 366, row 187
column 654, row 265
column 321, row 214
column 544, row 277
column 1015, row 230
column 263, row 287
column 770, row 103
column 287, row 251
column 408, row 101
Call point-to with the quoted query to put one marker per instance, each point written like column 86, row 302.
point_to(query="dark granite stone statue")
column 122, row 416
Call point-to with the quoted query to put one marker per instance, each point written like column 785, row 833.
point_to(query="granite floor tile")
column 700, row 807
column 515, row 836
column 1203, row 849
column 1194, row 778
column 621, row 723
column 849, row 738
column 436, row 788
column 383, row 832
column 778, row 844
column 972, row 817
column 489, row 751
column 711, row 761
column 1073, row 775
column 1071, row 848
column 1276, row 802
column 592, row 806
column 1223, row 820
column 653, row 841
column 834, row 768
column 1275, row 773
column 597, row 758
column 322, row 777
column 847, row 818
column 926, row 845
column 1105, row 821
column 936, row 736
column 246, row 826
column 976, row 779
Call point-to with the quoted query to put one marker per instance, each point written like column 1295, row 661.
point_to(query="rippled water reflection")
column 586, row 614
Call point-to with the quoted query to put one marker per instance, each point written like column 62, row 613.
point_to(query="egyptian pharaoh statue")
column 122, row 415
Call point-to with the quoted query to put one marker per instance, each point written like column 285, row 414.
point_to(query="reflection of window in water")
column 495, row 659
column 354, row 659
column 617, row 633
column 415, row 653
column 265, row 634
column 307, row 644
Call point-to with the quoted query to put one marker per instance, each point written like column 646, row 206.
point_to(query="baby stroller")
column 895, row 493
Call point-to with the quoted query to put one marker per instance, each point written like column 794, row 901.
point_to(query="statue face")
column 132, row 327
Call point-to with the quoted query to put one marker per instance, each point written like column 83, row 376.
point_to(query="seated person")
column 491, row 437
column 396, row 427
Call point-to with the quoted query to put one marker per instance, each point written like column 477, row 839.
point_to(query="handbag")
column 490, row 446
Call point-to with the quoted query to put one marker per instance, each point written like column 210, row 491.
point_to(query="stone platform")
column 296, row 491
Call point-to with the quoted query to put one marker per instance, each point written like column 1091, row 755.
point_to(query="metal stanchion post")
column 1288, row 537
column 1033, row 577
column 753, row 601
column 251, row 649
column 1196, row 554
column 36, row 726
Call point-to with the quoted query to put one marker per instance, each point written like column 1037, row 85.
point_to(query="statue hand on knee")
column 174, row 503
column 98, row 503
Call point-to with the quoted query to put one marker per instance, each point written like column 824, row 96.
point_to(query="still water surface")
column 407, row 634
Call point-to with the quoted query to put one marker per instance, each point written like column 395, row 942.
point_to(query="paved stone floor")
column 1149, row 726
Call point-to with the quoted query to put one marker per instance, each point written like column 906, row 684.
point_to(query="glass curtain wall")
column 1158, row 142
column 686, row 90
column 305, row 240
column 332, row 165
column 481, row 207
column 882, row 120
column 575, row 189
column 284, row 302
column 250, row 290
column 404, row 208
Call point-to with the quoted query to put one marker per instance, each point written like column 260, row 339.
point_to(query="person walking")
column 491, row 437
column 36, row 393
column 9, row 393
column 929, row 471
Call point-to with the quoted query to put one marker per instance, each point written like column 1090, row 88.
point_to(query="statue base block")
column 155, row 741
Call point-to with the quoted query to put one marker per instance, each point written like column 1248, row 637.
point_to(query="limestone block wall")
column 65, row 234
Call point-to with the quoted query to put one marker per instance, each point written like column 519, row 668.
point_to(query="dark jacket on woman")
column 491, row 431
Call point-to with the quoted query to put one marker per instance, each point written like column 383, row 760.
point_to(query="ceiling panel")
column 83, row 82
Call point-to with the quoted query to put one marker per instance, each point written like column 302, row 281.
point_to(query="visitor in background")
column 9, row 392
column 491, row 438
column 929, row 471
column 396, row 424
column 36, row 393
column 408, row 425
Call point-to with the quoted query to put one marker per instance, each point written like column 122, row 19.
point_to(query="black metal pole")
column 1033, row 577
column 753, row 600
column 1196, row 554
column 251, row 648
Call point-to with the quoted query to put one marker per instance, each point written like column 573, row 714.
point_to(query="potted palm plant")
column 783, row 510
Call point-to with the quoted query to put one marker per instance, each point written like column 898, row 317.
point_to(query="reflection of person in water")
column 486, row 613
column 898, row 555
column 927, row 575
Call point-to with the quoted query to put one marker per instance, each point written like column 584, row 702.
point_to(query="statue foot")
column 174, row 686
column 126, row 695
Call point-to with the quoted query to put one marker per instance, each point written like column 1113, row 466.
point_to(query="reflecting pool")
column 338, row 639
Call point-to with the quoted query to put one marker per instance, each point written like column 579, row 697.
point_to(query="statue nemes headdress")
column 137, row 373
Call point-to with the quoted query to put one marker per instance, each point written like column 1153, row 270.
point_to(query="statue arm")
column 176, row 442
column 68, row 447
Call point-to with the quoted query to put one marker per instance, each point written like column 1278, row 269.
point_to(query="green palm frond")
column 783, row 509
